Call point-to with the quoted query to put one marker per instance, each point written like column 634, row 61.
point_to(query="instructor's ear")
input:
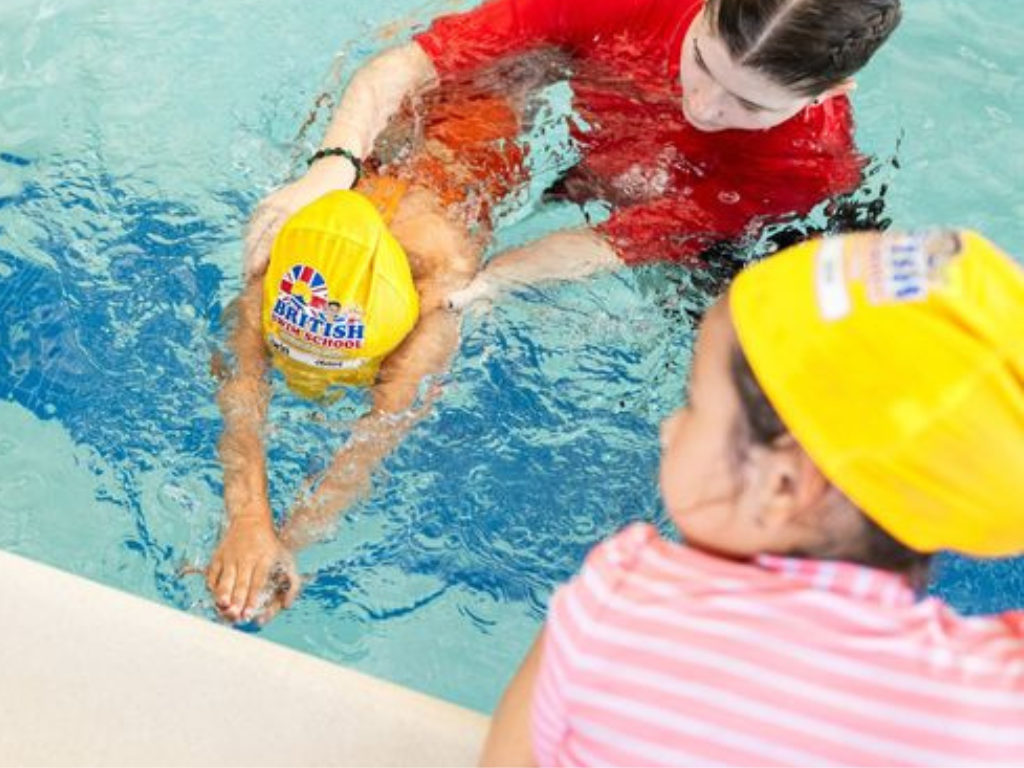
column 844, row 86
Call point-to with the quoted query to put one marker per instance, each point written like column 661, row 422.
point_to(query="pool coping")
column 91, row 675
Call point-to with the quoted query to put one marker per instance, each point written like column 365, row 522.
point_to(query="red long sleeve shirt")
column 673, row 190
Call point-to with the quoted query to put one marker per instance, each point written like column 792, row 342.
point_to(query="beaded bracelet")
column 340, row 152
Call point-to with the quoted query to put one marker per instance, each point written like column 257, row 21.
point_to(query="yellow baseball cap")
column 338, row 295
column 897, row 362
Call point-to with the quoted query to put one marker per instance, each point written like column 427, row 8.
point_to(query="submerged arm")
column 249, row 553
column 442, row 258
column 427, row 351
column 568, row 255
column 243, row 402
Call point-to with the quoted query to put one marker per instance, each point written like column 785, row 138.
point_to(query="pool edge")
column 91, row 675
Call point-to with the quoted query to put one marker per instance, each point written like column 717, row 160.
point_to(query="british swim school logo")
column 908, row 267
column 305, row 313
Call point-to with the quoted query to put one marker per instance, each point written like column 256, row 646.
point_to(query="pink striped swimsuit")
column 660, row 654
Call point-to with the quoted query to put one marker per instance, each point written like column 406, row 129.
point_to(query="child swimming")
column 353, row 296
column 353, row 293
column 855, row 405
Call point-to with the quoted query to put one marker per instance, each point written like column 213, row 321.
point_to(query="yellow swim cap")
column 338, row 295
column 897, row 362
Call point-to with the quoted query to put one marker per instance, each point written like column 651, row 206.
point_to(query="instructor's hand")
column 252, row 574
column 326, row 175
column 482, row 288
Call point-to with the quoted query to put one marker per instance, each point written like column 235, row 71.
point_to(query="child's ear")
column 848, row 85
column 811, row 485
column 788, row 483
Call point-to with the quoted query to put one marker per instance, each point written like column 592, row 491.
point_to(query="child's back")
column 658, row 653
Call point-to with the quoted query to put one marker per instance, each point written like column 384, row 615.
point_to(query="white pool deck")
column 93, row 676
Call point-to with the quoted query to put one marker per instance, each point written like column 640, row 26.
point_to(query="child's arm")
column 508, row 740
column 249, row 553
column 568, row 255
column 443, row 258
column 427, row 351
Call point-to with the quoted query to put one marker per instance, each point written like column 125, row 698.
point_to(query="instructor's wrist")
column 333, row 173
column 339, row 153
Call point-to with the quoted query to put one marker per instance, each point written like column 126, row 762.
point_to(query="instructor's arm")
column 371, row 99
column 561, row 256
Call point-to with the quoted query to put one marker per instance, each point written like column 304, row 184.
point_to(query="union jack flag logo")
column 302, row 279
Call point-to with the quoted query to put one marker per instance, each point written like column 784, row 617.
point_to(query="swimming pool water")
column 135, row 137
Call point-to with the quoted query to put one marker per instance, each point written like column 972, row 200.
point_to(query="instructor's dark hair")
column 761, row 425
column 806, row 45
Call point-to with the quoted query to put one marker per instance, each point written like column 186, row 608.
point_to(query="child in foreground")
column 856, row 404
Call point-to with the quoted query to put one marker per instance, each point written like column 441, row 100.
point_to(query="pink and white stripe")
column 659, row 654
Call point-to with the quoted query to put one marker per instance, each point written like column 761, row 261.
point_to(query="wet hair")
column 760, row 425
column 807, row 46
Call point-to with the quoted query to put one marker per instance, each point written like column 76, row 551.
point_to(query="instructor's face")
column 720, row 94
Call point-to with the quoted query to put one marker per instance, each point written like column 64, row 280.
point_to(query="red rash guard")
column 674, row 190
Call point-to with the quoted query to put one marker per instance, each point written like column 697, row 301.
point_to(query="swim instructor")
column 699, row 121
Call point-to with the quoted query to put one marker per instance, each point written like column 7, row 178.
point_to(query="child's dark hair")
column 806, row 45
column 761, row 425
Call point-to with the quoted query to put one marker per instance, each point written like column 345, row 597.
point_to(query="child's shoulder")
column 624, row 547
column 626, row 550
column 641, row 552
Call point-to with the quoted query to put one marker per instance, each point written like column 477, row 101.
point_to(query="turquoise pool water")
column 135, row 137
